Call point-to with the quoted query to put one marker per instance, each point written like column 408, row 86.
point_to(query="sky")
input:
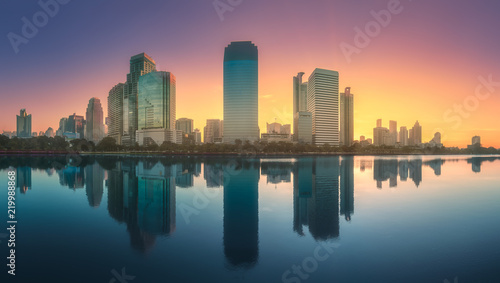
column 432, row 61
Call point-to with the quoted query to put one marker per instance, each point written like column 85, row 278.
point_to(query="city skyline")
column 382, row 90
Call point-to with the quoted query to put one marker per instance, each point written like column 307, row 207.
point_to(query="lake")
column 224, row 219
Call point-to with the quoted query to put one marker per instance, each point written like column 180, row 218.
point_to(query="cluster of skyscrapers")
column 321, row 114
column 143, row 110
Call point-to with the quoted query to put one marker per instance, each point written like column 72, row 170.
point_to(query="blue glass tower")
column 241, row 99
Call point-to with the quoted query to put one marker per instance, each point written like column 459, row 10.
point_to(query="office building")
column 23, row 126
column 323, row 103
column 346, row 117
column 299, row 101
column 303, row 133
column 241, row 92
column 115, row 112
column 50, row 132
column 156, row 116
column 94, row 125
column 185, row 125
column 140, row 64
column 393, row 131
column 75, row 127
column 197, row 136
column 403, row 136
column 212, row 131
column 416, row 134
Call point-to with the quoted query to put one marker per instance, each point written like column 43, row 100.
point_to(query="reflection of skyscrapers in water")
column 475, row 163
column 323, row 206
column 415, row 168
column 142, row 194
column 277, row 172
column 347, row 187
column 302, row 192
column 156, row 197
column 316, row 197
column 241, row 215
column 435, row 165
column 94, row 176
column 23, row 178
column 389, row 169
column 385, row 169
column 186, row 170
column 72, row 177
column 213, row 173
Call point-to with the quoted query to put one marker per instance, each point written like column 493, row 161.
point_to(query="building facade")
column 185, row 125
column 115, row 112
column 95, row 121
column 299, row 100
column 140, row 64
column 241, row 99
column 403, row 136
column 23, row 125
column 75, row 127
column 212, row 131
column 346, row 117
column 303, row 134
column 323, row 103
column 156, row 97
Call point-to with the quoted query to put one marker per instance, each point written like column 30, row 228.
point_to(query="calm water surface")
column 307, row 219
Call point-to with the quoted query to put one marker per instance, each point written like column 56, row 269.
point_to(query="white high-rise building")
column 323, row 103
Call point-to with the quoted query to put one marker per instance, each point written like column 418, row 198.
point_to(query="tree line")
column 108, row 144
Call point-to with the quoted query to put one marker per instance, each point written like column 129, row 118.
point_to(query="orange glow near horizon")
column 415, row 69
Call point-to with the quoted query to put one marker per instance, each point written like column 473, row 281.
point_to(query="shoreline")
column 228, row 154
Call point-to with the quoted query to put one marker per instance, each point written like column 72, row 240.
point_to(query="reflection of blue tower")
column 23, row 178
column 347, row 187
column 94, row 177
column 323, row 206
column 241, row 215
column 302, row 191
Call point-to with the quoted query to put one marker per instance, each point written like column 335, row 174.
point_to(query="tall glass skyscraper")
column 323, row 103
column 157, row 101
column 140, row 64
column 241, row 99
column 23, row 124
column 95, row 127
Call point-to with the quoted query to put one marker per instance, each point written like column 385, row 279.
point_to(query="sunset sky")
column 425, row 61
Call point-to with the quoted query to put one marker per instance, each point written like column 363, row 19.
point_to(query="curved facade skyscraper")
column 241, row 85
